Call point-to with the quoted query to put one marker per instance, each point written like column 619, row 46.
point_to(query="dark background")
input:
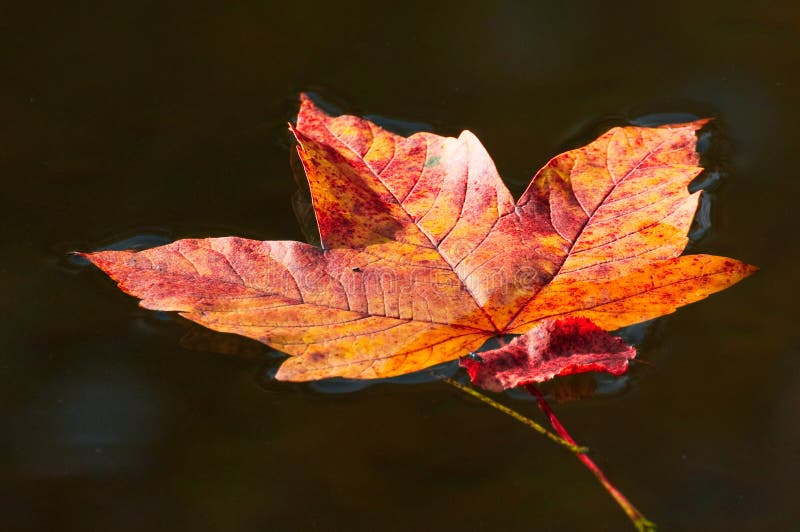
column 151, row 122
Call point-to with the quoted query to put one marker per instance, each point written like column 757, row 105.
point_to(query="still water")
column 143, row 123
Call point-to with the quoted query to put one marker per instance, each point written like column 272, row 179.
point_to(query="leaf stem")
column 568, row 443
column 639, row 521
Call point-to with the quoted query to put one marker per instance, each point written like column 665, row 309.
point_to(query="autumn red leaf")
column 552, row 348
column 425, row 255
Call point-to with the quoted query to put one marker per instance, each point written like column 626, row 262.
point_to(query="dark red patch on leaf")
column 553, row 348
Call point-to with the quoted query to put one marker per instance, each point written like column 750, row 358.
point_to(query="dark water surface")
column 153, row 122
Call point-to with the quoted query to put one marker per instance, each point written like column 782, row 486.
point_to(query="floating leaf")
column 425, row 255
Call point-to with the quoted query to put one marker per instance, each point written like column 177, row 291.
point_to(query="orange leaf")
column 425, row 255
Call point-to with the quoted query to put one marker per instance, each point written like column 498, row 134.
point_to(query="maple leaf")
column 552, row 348
column 425, row 255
